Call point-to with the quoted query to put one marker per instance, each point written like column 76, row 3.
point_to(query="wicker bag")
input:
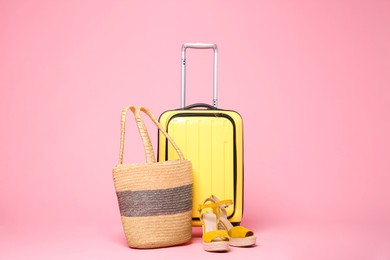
column 155, row 198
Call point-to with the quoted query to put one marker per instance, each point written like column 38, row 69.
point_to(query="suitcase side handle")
column 183, row 70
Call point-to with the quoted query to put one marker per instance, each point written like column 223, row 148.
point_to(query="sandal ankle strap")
column 208, row 205
column 225, row 203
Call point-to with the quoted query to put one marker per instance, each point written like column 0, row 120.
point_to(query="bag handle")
column 123, row 126
column 155, row 121
column 148, row 147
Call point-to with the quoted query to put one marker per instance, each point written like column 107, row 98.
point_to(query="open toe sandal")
column 214, row 239
column 238, row 235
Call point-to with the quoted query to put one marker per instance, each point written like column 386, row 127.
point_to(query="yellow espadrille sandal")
column 238, row 236
column 214, row 240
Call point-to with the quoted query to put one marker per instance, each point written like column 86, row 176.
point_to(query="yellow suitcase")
column 212, row 139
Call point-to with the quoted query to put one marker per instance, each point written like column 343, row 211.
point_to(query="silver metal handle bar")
column 183, row 69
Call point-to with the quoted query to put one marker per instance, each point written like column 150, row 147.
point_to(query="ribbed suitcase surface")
column 212, row 140
column 208, row 143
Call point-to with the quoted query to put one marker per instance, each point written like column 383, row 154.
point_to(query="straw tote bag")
column 155, row 198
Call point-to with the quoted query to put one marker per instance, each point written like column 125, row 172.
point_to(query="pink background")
column 310, row 78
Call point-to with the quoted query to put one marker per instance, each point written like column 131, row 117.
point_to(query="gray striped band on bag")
column 155, row 202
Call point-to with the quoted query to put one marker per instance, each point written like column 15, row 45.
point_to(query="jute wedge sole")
column 242, row 242
column 216, row 246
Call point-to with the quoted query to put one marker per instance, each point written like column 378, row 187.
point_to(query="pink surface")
column 310, row 78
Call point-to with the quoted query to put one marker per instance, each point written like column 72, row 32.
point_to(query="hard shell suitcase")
column 212, row 139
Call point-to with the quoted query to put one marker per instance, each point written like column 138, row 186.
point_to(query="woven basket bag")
column 155, row 198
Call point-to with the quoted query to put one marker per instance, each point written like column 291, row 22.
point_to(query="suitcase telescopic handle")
column 183, row 70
